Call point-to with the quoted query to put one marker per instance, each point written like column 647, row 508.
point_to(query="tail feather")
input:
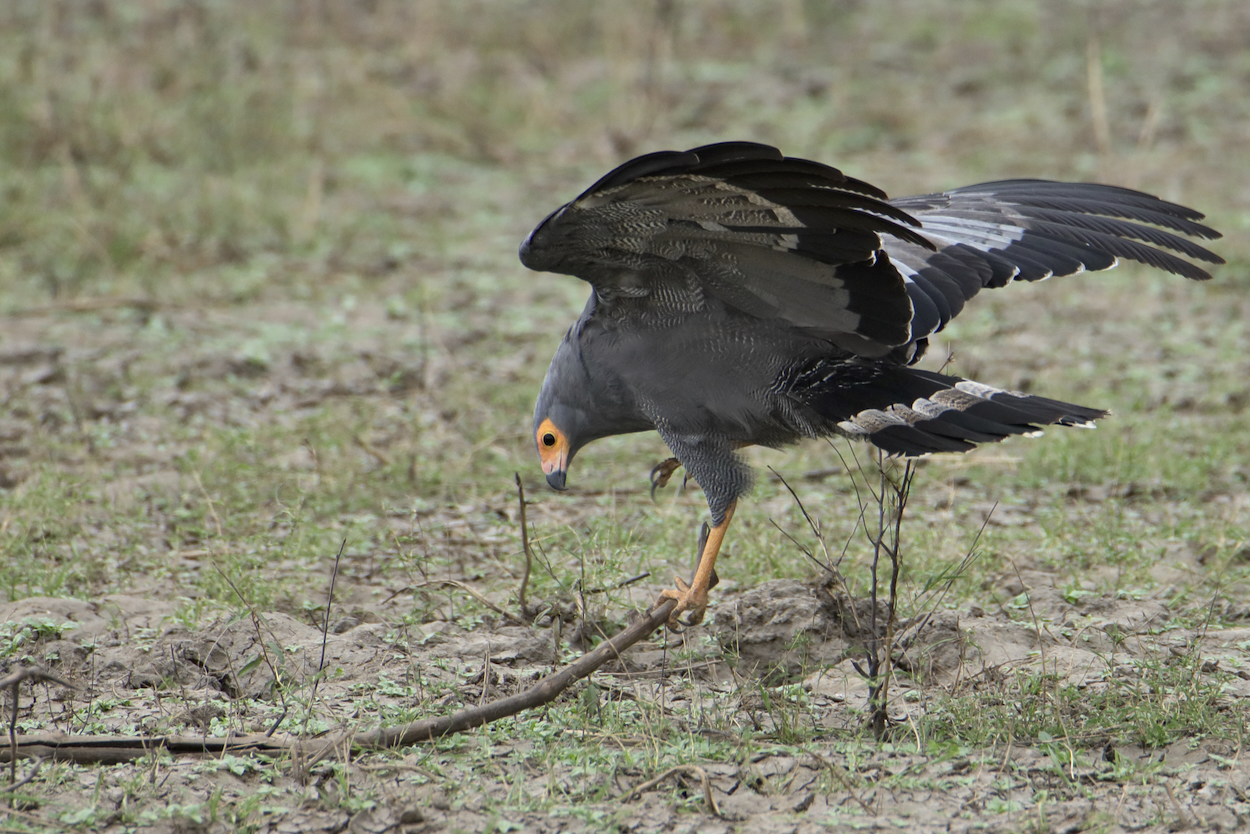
column 906, row 411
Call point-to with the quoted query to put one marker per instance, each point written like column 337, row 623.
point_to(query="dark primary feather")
column 1029, row 230
column 800, row 242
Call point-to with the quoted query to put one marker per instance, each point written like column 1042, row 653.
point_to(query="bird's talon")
column 688, row 603
column 661, row 473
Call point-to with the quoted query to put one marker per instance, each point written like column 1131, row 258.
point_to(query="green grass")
column 1150, row 704
column 276, row 247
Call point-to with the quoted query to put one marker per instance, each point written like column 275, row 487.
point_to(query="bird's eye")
column 549, row 439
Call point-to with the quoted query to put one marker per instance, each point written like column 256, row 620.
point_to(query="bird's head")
column 561, row 416
column 576, row 407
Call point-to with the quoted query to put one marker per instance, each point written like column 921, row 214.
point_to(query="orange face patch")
column 553, row 447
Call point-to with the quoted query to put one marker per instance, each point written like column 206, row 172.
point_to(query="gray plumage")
column 741, row 297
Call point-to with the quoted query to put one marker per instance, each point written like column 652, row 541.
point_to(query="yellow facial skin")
column 553, row 447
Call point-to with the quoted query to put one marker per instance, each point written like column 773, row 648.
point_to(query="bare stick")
column 543, row 692
column 13, row 682
column 693, row 770
column 455, row 583
column 325, row 632
column 25, row 780
column 15, row 690
column 859, row 502
column 829, row 565
column 891, row 499
column 257, row 623
column 325, row 626
column 525, row 546
column 624, row 583
column 944, row 582
column 901, row 490
column 368, row 449
column 878, row 689
column 90, row 749
column 841, row 777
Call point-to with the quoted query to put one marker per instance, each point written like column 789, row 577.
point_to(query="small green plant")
column 17, row 638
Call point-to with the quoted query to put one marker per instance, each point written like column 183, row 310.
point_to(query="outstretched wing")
column 740, row 224
column 781, row 238
column 991, row 234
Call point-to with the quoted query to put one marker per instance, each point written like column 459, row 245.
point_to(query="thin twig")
column 876, row 695
column 862, row 520
column 257, row 622
column 13, row 682
column 901, row 492
column 525, row 546
column 841, row 777
column 693, row 770
column 208, row 499
column 89, row 305
column 15, row 691
column 1183, row 821
column 830, row 565
column 25, row 780
column 455, row 583
column 1097, row 97
column 325, row 627
column 624, row 583
column 368, row 449
column 114, row 749
column 948, row 578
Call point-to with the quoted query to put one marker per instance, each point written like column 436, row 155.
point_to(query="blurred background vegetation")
column 259, row 296
column 288, row 182
column 143, row 141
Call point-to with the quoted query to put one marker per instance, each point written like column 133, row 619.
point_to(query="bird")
column 741, row 297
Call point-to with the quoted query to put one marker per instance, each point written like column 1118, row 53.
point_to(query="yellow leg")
column 693, row 597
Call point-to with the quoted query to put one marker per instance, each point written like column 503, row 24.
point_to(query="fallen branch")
column 116, row 749
column 543, row 692
column 84, row 749
column 31, row 673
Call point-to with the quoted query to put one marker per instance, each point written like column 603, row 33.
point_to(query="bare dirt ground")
column 143, row 665
column 161, row 678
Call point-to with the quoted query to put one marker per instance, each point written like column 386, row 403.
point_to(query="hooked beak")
column 556, row 468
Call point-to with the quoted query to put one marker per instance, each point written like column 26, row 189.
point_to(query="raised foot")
column 661, row 473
